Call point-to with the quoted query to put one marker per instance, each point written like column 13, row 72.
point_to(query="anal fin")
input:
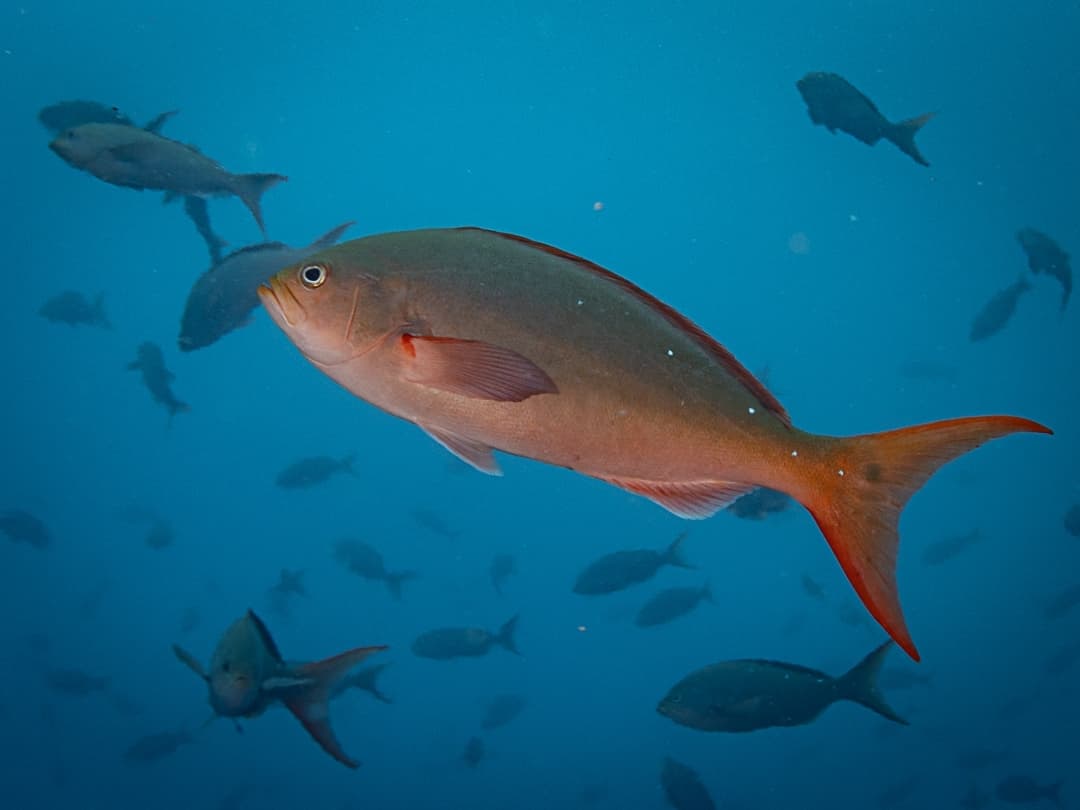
column 694, row 500
column 476, row 454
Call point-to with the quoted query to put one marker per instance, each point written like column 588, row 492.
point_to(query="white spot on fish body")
column 794, row 453
column 840, row 473
column 751, row 411
column 670, row 353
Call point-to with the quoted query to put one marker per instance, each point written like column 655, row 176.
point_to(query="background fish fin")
column 476, row 454
column 155, row 124
column 189, row 661
column 331, row 236
column 694, row 500
column 250, row 188
column 473, row 368
column 505, row 636
column 903, row 135
column 860, row 685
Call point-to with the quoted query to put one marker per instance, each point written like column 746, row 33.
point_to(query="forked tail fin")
column 903, row 135
column 250, row 188
column 856, row 498
column 860, row 685
column 311, row 706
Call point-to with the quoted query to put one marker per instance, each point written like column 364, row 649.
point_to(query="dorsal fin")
column 267, row 639
column 703, row 339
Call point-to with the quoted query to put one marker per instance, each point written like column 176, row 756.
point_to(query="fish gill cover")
column 765, row 175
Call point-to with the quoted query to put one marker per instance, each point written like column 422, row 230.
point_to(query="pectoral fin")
column 189, row 660
column 473, row 368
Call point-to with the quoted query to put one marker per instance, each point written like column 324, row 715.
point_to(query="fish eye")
column 313, row 275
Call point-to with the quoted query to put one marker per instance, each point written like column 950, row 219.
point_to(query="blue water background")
column 683, row 120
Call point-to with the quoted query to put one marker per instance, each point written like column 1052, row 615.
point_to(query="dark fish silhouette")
column 307, row 472
column 160, row 535
column 1063, row 660
column 748, row 695
column 614, row 572
column 998, row 311
column 835, row 104
column 474, row 752
column 153, row 747
column 247, row 675
column 502, row 710
column 22, row 527
column 1072, row 520
column 158, row 380
column 671, row 604
column 1063, row 603
column 74, row 682
column 465, row 642
column 683, row 787
column 223, row 298
column 136, row 158
column 433, row 522
column 70, row 114
column 813, row 588
column 760, row 503
column 1044, row 255
column 364, row 680
column 366, row 561
column 1018, row 789
column 502, row 567
column 943, row 550
column 198, row 212
column 75, row 309
column 290, row 584
column 975, row 799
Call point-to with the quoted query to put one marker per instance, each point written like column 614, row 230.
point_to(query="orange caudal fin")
column 857, row 495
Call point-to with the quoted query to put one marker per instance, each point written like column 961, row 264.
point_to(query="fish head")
column 677, row 707
column 79, row 146
column 240, row 664
column 330, row 306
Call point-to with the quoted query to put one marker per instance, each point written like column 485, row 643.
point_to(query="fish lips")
column 279, row 301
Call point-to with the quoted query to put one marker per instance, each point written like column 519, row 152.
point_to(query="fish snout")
column 280, row 302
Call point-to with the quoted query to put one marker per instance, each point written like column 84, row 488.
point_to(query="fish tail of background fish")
column 707, row 594
column 1053, row 793
column 860, row 484
column 903, row 135
column 366, row 680
column 100, row 318
column 175, row 406
column 250, row 188
column 347, row 465
column 395, row 579
column 311, row 706
column 505, row 636
column 674, row 555
column 860, row 685
column 198, row 211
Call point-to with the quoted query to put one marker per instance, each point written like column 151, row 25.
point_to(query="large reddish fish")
column 490, row 341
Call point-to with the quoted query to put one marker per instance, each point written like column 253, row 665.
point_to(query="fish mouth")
column 281, row 303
